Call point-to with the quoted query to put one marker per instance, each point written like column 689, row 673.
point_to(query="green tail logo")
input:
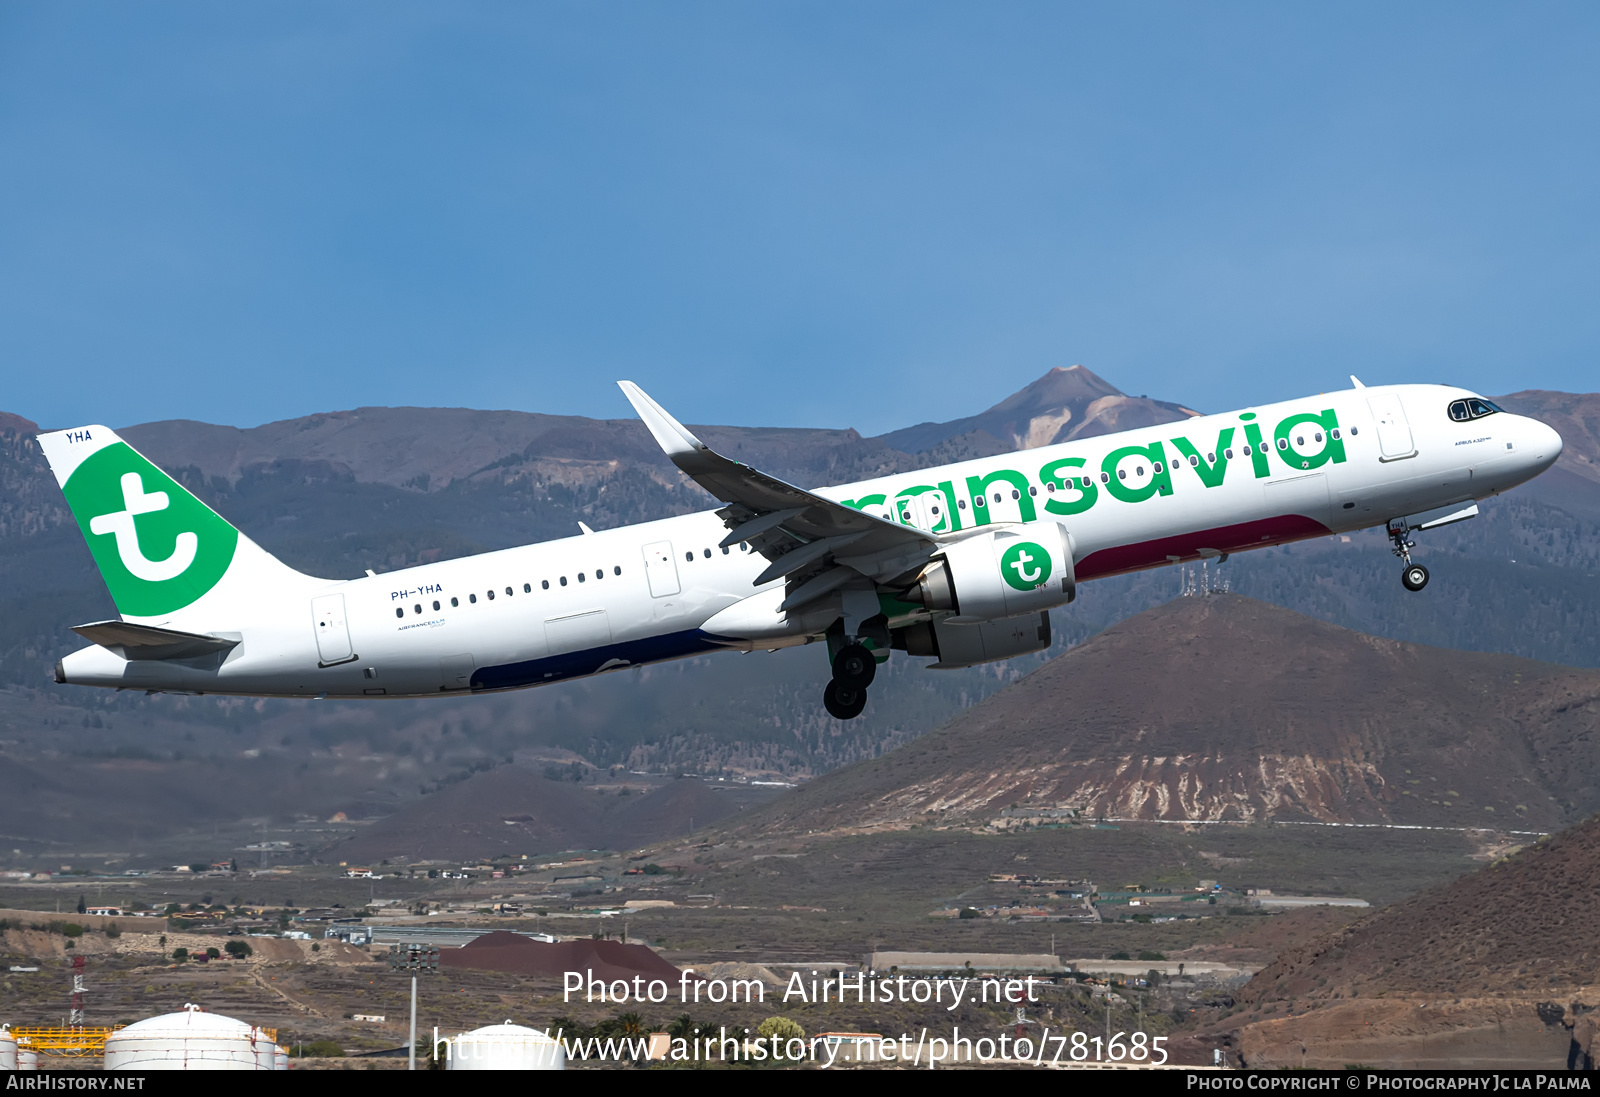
column 158, row 547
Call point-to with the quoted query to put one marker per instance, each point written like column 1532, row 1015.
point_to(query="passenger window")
column 491, row 596
column 473, row 598
column 544, row 584
column 1032, row 490
column 997, row 497
column 1283, row 443
column 689, row 556
column 563, row 580
column 527, row 588
column 616, row 571
column 1194, row 461
column 1211, row 458
column 398, row 612
column 417, row 608
column 455, row 603
column 978, row 502
column 962, row 503
column 436, row 606
column 725, row 550
column 1228, row 453
column 508, row 592
column 600, row 573
column 1334, row 433
column 1122, row 474
column 1105, row 478
column 582, row 577
column 708, row 551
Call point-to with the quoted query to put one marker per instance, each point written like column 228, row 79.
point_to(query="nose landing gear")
column 1413, row 576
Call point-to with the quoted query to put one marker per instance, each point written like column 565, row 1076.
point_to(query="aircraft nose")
column 1543, row 445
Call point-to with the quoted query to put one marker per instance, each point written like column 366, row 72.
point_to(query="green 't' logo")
column 158, row 547
column 1025, row 566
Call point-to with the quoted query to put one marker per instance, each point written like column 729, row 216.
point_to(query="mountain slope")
column 1222, row 707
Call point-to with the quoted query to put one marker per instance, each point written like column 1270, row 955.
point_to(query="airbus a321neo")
column 961, row 563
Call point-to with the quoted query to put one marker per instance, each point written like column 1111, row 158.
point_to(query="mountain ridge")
column 1222, row 707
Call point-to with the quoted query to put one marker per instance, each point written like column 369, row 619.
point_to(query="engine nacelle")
column 1002, row 573
column 968, row 645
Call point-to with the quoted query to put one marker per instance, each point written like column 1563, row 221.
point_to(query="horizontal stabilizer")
column 135, row 642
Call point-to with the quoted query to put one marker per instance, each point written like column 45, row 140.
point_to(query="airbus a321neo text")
column 961, row 563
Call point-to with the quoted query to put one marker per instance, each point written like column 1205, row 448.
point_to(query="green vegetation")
column 238, row 949
column 318, row 1049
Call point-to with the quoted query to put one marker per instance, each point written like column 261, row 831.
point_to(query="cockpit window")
column 1464, row 410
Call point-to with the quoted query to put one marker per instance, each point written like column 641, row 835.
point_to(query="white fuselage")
column 643, row 593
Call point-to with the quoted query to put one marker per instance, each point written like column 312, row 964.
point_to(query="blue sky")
column 814, row 214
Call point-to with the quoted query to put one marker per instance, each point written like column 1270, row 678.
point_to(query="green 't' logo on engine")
column 158, row 547
column 1026, row 566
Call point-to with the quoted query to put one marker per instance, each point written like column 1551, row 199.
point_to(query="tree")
column 180, row 954
column 781, row 1027
column 237, row 949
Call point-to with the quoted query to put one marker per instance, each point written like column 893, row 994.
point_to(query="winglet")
column 670, row 434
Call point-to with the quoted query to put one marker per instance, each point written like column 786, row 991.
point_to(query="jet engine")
column 969, row 645
column 1000, row 573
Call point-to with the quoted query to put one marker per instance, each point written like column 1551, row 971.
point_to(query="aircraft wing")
column 802, row 534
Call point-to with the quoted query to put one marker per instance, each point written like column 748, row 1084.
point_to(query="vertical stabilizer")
column 165, row 556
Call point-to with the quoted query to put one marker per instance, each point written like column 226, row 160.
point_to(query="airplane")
column 961, row 563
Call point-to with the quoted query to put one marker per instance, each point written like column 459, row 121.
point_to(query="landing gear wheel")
column 842, row 702
column 854, row 668
column 1414, row 577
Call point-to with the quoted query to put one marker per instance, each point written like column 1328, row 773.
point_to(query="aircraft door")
column 661, row 569
column 1394, row 431
column 333, row 632
column 925, row 510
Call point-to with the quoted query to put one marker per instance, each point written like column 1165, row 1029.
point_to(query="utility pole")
column 413, row 958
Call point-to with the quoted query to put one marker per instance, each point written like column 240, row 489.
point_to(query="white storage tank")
column 8, row 1050
column 190, row 1040
column 504, row 1047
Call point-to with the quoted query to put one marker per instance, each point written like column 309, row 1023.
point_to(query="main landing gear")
column 853, row 671
column 1413, row 576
